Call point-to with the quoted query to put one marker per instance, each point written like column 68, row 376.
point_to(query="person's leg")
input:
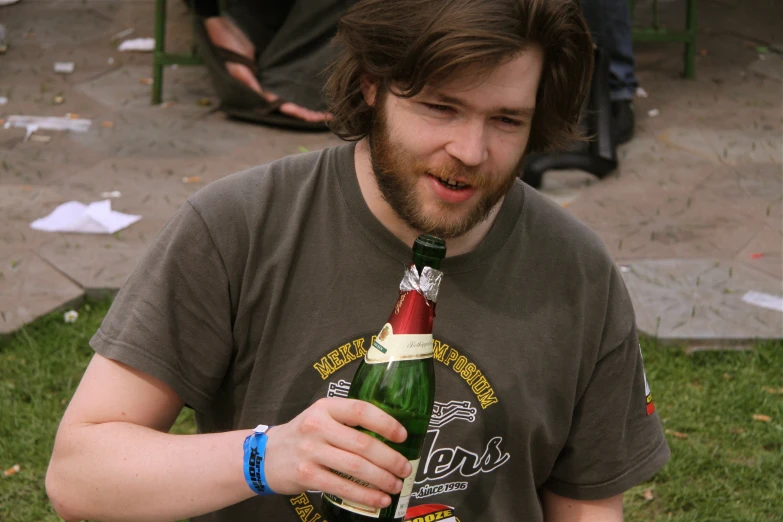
column 293, row 63
column 260, row 20
column 622, row 67
column 252, row 28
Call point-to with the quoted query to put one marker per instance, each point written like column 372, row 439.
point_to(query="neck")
column 389, row 219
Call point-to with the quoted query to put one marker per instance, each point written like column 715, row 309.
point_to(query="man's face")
column 444, row 158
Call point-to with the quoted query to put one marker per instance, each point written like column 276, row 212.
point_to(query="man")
column 259, row 296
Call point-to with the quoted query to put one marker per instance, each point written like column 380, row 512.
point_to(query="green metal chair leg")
column 657, row 33
column 690, row 45
column 161, row 58
column 160, row 47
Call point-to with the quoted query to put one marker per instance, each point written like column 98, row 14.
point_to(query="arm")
column 113, row 459
column 562, row 509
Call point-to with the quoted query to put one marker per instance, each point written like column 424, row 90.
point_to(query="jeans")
column 610, row 24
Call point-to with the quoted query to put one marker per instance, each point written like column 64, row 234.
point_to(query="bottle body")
column 406, row 391
column 398, row 376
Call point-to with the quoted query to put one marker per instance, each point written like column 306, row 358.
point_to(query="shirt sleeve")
column 615, row 440
column 172, row 318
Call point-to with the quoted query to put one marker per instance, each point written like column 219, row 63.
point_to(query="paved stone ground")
column 693, row 215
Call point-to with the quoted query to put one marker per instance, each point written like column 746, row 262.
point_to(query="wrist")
column 254, row 449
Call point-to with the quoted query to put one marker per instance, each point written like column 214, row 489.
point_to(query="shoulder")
column 557, row 232
column 264, row 183
column 569, row 257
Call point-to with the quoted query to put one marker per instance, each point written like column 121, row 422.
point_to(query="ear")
column 369, row 86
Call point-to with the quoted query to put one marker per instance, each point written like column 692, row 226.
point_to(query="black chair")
column 596, row 156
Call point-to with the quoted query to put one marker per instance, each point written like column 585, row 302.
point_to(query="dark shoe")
column 623, row 121
column 237, row 99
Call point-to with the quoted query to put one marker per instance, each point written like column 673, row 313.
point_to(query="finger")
column 352, row 412
column 372, row 450
column 330, row 482
column 358, row 467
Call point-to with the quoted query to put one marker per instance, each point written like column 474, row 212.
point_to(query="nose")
column 468, row 143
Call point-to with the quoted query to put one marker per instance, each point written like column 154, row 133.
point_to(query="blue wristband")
column 255, row 449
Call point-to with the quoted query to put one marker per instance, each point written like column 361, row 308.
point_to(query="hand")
column 301, row 454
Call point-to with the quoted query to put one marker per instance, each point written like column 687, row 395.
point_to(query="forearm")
column 121, row 471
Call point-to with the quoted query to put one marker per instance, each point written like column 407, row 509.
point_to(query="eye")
column 510, row 121
column 437, row 108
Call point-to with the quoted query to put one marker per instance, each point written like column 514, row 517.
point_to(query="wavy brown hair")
column 407, row 44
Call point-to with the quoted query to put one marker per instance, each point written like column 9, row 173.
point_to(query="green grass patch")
column 725, row 465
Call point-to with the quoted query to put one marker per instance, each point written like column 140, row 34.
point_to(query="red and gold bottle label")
column 389, row 346
column 408, row 334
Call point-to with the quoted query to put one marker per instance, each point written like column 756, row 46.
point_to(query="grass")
column 725, row 465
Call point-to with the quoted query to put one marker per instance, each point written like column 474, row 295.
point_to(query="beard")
column 397, row 173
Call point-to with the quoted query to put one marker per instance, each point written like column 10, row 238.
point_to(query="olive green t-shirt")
column 260, row 295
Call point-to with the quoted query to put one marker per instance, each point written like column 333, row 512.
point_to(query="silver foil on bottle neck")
column 427, row 284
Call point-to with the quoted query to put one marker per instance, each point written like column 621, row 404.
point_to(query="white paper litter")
column 641, row 93
column 123, row 34
column 772, row 302
column 95, row 218
column 112, row 194
column 64, row 67
column 3, row 100
column 138, row 44
column 653, row 113
column 35, row 123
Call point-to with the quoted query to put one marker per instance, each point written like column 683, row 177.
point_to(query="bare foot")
column 224, row 33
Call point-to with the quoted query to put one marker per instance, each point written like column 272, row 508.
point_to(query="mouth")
column 454, row 184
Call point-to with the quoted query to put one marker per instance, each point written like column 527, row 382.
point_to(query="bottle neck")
column 421, row 260
column 412, row 314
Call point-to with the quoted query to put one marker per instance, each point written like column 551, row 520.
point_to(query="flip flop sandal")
column 237, row 99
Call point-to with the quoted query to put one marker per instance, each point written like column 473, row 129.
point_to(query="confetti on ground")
column 760, row 299
column 677, row 434
column 12, row 470
column 64, row 67
column 145, row 81
column 107, row 124
column 123, row 34
column 191, row 179
column 141, row 45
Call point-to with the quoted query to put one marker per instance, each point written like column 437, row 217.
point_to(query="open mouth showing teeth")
column 453, row 185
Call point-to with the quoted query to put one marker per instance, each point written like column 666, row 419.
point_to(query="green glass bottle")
column 398, row 375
